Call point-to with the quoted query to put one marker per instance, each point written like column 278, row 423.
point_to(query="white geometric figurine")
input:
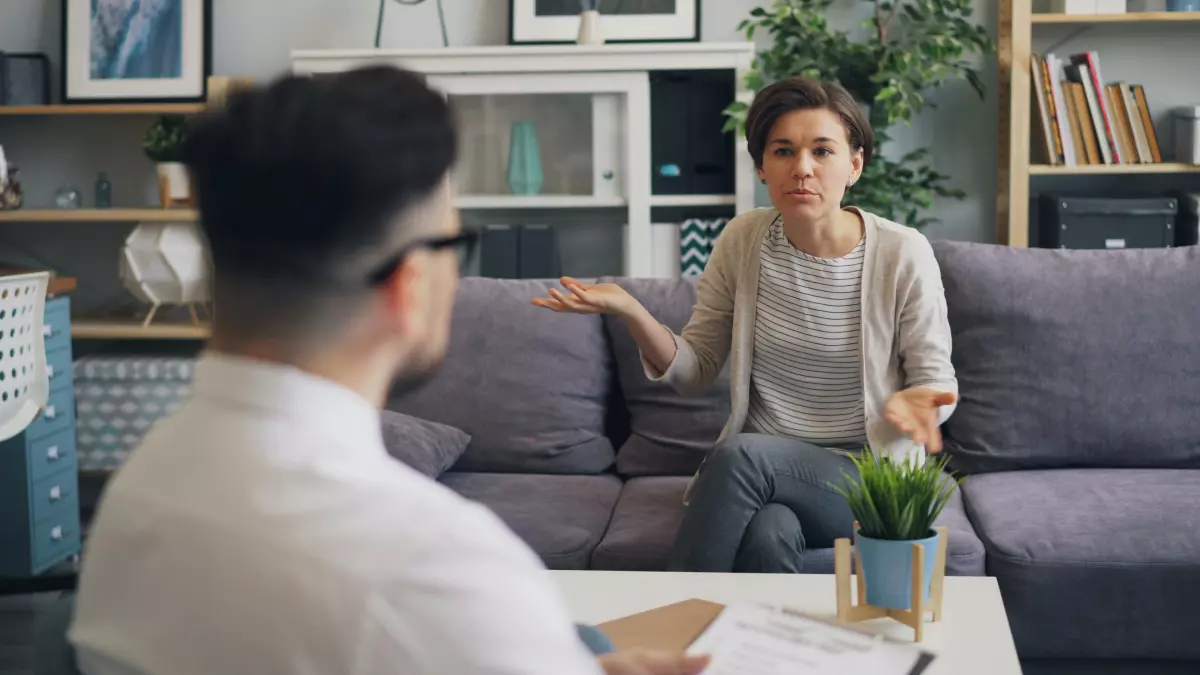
column 167, row 264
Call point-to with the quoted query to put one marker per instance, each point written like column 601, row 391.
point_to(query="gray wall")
column 254, row 37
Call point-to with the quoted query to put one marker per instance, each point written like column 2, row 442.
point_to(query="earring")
column 852, row 182
column 763, row 181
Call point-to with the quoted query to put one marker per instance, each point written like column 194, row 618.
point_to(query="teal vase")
column 887, row 569
column 524, row 160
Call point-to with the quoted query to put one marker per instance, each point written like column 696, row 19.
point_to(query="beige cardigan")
column 905, row 332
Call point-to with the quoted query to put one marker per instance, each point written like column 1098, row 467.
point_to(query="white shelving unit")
column 592, row 108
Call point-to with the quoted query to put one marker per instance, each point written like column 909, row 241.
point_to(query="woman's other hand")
column 582, row 298
column 915, row 412
column 647, row 662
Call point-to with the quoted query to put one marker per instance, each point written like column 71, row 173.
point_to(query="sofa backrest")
column 529, row 385
column 1073, row 358
column 540, row 392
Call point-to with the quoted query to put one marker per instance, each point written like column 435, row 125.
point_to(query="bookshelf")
column 1018, row 158
column 120, row 328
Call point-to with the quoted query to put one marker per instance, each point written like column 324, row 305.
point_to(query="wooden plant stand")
column 849, row 612
column 195, row 316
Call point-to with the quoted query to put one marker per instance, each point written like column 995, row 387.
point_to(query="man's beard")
column 414, row 376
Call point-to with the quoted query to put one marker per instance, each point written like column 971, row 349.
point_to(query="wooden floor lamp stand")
column 849, row 611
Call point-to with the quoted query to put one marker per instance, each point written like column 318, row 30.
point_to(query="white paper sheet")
column 750, row 639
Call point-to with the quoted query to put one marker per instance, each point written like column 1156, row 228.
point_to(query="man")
column 263, row 529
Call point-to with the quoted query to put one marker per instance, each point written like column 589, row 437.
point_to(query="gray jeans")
column 759, row 502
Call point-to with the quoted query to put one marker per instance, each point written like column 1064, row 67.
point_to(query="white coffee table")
column 972, row 637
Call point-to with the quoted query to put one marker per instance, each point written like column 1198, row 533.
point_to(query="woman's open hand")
column 915, row 412
column 584, row 298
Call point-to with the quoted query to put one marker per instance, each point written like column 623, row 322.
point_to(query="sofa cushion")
column 562, row 518
column 1097, row 563
column 428, row 447
column 650, row 510
column 1073, row 358
column 529, row 385
column 670, row 433
column 643, row 526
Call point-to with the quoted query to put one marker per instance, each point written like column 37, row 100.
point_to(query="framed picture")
column 136, row 51
column 557, row 21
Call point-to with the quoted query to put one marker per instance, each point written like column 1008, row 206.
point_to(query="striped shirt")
column 806, row 372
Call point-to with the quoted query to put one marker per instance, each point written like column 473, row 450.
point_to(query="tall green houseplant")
column 910, row 48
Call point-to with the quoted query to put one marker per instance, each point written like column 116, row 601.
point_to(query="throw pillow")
column 669, row 433
column 1073, row 358
column 428, row 447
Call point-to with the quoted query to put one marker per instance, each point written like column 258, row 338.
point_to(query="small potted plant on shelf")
column 895, row 503
column 163, row 144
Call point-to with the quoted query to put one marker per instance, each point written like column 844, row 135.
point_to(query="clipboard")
column 676, row 627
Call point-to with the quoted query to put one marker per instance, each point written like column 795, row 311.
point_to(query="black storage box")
column 1187, row 233
column 1107, row 223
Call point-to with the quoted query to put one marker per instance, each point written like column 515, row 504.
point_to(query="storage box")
column 1185, row 123
column 1188, row 231
column 1107, row 223
column 118, row 399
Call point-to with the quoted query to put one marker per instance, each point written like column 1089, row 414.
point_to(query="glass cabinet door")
column 559, row 150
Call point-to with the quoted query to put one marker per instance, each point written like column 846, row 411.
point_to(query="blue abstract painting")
column 136, row 39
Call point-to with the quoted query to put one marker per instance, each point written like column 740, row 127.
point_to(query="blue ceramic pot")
column 887, row 569
column 524, row 160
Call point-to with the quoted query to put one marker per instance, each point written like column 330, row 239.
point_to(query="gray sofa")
column 571, row 445
column 1079, row 428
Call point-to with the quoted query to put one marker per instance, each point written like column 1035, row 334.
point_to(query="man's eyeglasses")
column 463, row 245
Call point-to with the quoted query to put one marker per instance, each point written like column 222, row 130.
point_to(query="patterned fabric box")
column 118, row 399
column 697, row 237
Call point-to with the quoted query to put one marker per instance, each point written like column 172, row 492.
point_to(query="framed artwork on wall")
column 557, row 21
column 136, row 51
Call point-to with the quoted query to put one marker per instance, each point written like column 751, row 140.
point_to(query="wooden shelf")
column 84, row 329
column 537, row 202
column 693, row 200
column 1131, row 17
column 57, row 285
column 103, row 109
column 98, row 215
column 1115, row 169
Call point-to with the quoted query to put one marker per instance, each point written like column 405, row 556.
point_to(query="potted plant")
column 895, row 504
column 163, row 144
column 908, row 48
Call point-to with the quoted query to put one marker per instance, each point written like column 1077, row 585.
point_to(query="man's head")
column 327, row 207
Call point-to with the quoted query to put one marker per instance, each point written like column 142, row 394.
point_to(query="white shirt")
column 806, row 371
column 264, row 529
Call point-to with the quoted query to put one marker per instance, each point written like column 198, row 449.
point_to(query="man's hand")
column 648, row 662
column 915, row 412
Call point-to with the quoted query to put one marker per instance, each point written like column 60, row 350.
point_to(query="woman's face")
column 808, row 163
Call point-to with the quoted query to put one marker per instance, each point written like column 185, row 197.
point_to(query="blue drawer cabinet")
column 39, row 478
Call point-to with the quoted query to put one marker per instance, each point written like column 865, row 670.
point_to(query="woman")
column 835, row 320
